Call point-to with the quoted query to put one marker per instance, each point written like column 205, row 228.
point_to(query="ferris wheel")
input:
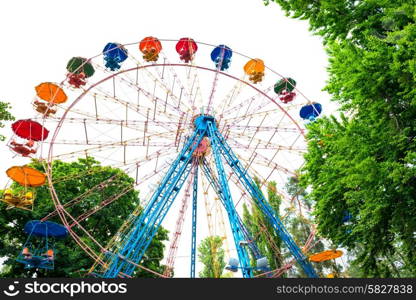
column 189, row 121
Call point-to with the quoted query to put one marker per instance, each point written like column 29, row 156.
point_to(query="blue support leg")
column 141, row 232
column 194, row 212
column 261, row 202
column 251, row 243
column 209, row 174
column 238, row 235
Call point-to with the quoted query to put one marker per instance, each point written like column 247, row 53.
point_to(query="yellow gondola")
column 23, row 198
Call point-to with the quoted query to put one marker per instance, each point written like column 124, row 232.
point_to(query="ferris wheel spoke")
column 109, row 200
column 251, row 112
column 84, row 246
column 103, row 204
column 258, row 143
column 85, row 231
column 195, row 90
column 138, row 125
column 275, row 131
column 170, row 102
column 235, row 120
column 154, row 107
column 169, row 90
column 187, row 91
column 76, row 200
column 137, row 162
column 258, row 105
column 132, row 166
column 229, row 98
column 140, row 142
column 251, row 167
column 213, row 90
column 221, row 224
column 173, row 248
column 254, row 111
column 253, row 153
column 280, row 149
column 112, row 145
column 148, row 113
column 251, row 128
column 208, row 208
column 89, row 118
column 247, row 102
column 263, row 180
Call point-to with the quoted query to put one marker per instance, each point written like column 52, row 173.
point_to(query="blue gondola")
column 346, row 217
column 38, row 251
column 221, row 56
column 114, row 55
column 311, row 111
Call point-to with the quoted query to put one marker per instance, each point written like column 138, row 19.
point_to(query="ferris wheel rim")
column 55, row 197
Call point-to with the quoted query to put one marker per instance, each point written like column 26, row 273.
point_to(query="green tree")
column 300, row 224
column 71, row 180
column 352, row 170
column 5, row 115
column 267, row 239
column 363, row 163
column 211, row 255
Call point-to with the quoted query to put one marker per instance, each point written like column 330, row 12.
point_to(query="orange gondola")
column 26, row 176
column 254, row 68
column 325, row 255
column 150, row 47
column 50, row 93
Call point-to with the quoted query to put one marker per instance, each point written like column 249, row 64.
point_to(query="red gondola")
column 30, row 130
column 186, row 48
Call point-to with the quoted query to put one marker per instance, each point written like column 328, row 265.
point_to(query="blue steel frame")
column 209, row 174
column 262, row 203
column 194, row 212
column 135, row 242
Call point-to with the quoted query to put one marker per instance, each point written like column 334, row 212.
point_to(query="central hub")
column 201, row 122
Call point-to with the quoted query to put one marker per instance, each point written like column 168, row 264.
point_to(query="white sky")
column 38, row 38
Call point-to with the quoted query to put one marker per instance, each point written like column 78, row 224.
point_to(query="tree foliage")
column 363, row 163
column 72, row 180
column 5, row 115
column 299, row 223
column 267, row 239
column 211, row 255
